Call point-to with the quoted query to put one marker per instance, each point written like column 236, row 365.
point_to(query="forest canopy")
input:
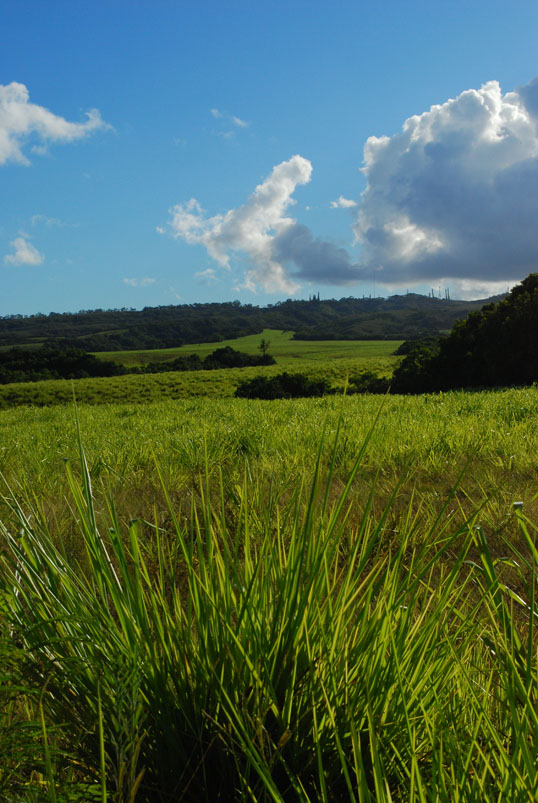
column 396, row 318
column 496, row 346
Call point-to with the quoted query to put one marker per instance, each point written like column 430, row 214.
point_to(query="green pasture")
column 286, row 351
column 145, row 388
column 297, row 601
column 435, row 435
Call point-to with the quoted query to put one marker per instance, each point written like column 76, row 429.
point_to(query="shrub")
column 282, row 386
column 368, row 382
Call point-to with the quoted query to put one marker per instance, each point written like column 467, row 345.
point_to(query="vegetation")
column 285, row 349
column 395, row 318
column 213, row 601
column 368, row 382
column 142, row 387
column 282, row 386
column 25, row 365
column 309, row 600
column 225, row 357
column 494, row 347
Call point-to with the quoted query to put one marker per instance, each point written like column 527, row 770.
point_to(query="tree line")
column 394, row 318
column 33, row 365
column 495, row 346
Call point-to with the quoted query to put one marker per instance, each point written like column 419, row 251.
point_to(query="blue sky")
column 181, row 152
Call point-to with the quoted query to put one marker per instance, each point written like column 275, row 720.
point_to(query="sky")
column 174, row 152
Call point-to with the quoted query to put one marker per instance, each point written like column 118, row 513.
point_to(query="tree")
column 282, row 386
column 496, row 346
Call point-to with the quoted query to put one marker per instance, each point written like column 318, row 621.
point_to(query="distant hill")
column 395, row 318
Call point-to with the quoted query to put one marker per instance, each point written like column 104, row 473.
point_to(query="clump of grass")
column 287, row 652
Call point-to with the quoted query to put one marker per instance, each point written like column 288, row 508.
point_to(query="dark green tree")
column 496, row 346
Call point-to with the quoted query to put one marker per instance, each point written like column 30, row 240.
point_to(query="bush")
column 282, row 386
column 368, row 382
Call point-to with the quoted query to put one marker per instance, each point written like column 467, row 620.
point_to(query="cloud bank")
column 452, row 200
column 280, row 251
column 24, row 253
column 453, row 197
column 22, row 122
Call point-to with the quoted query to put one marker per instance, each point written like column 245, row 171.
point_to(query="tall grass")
column 278, row 647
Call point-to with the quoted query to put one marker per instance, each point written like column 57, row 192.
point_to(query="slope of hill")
column 395, row 318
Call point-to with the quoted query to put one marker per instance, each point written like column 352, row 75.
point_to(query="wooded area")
column 395, row 318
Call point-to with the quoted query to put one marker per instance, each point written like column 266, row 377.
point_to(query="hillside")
column 394, row 318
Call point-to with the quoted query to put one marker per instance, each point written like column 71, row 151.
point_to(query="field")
column 310, row 600
column 282, row 347
column 334, row 361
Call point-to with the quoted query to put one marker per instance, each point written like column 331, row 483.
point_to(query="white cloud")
column 281, row 251
column 343, row 203
column 239, row 123
column 454, row 195
column 472, row 288
column 51, row 222
column 207, row 276
column 145, row 282
column 24, row 253
column 21, row 120
column 251, row 228
column 227, row 120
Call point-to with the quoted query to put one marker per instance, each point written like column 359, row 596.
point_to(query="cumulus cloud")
column 251, row 228
column 20, row 121
column 145, row 282
column 453, row 197
column 314, row 259
column 343, row 203
column 24, row 253
column 279, row 249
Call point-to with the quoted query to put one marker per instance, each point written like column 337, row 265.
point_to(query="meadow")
column 311, row 600
column 334, row 361
column 282, row 347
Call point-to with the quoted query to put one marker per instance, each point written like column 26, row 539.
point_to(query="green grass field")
column 298, row 600
column 283, row 348
column 334, row 361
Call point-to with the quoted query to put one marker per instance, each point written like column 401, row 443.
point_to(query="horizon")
column 245, row 303
column 162, row 154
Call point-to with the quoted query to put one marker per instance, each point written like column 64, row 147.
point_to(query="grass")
column 331, row 360
column 147, row 388
column 296, row 617
column 283, row 348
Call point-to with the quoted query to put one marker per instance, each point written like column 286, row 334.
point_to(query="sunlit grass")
column 300, row 619
column 283, row 348
column 177, row 385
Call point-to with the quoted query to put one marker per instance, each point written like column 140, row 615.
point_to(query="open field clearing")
column 144, row 388
column 204, row 615
column 283, row 348
column 435, row 435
